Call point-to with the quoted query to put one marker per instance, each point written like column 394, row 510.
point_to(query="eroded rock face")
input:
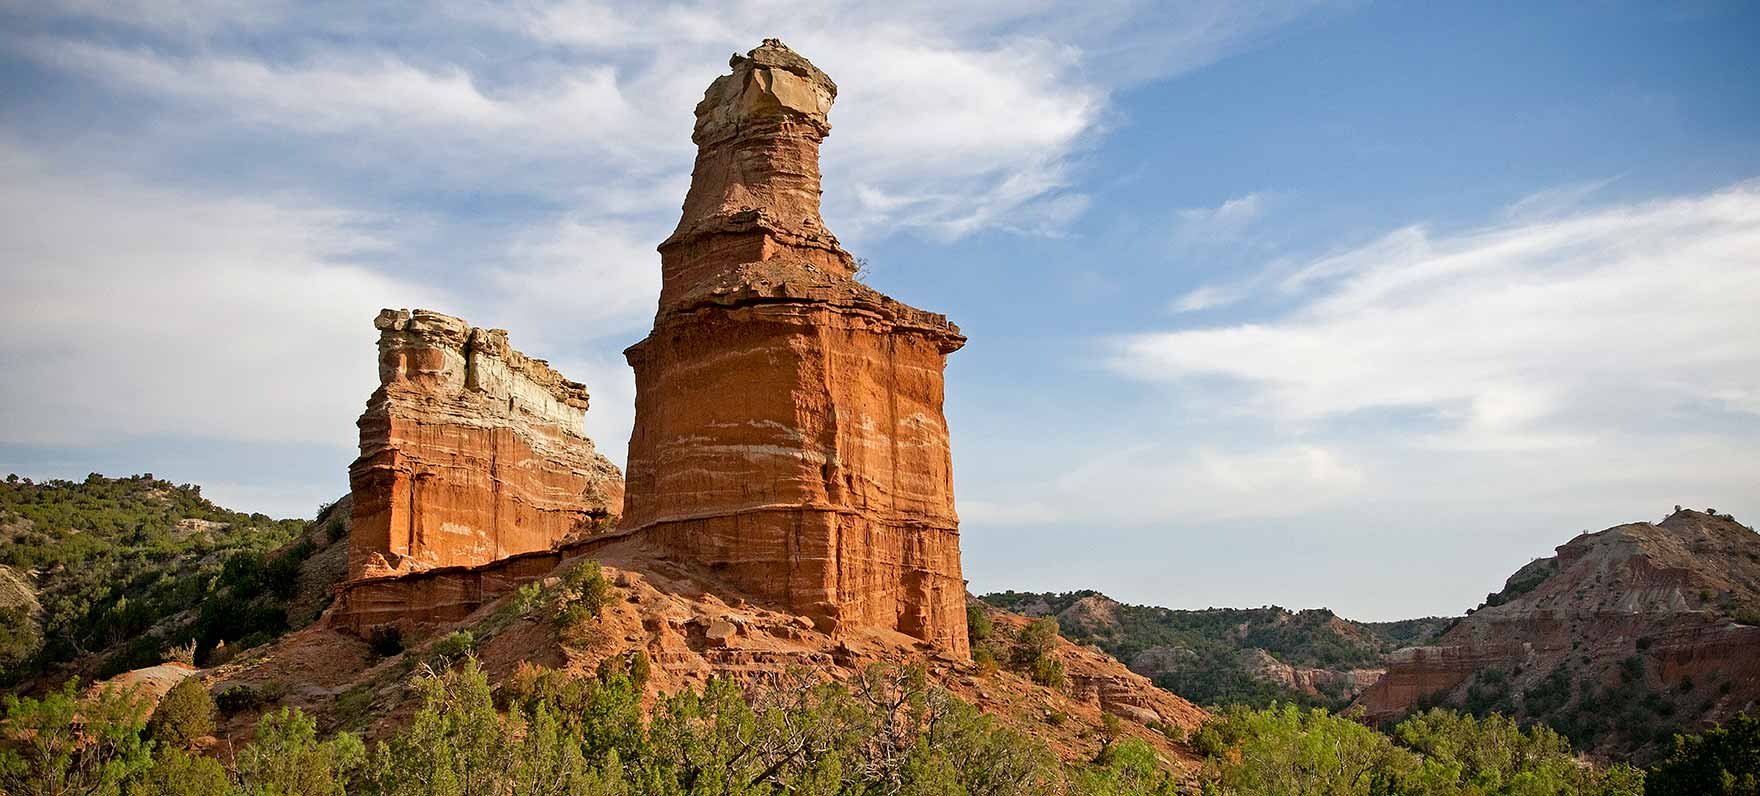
column 1661, row 605
column 789, row 429
column 470, row 452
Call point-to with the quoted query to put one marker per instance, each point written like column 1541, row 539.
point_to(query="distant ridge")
column 1619, row 640
column 1253, row 656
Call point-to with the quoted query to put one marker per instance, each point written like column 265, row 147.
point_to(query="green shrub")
column 236, row 698
column 184, row 714
column 76, row 745
column 527, row 598
column 1128, row 768
column 978, row 624
column 1721, row 761
column 984, row 657
column 176, row 773
column 1289, row 750
column 453, row 646
column 1047, row 671
column 640, row 669
column 1036, row 640
column 181, row 653
column 573, row 615
column 286, row 758
column 587, row 593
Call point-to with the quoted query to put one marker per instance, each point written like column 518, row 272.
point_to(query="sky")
column 1316, row 304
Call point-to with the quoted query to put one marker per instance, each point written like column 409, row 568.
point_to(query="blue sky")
column 1358, row 305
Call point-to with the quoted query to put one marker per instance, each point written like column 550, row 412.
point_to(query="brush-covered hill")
column 1620, row 640
column 105, row 575
column 1218, row 656
column 629, row 602
column 140, row 582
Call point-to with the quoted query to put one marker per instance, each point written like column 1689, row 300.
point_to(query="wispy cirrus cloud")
column 1589, row 363
column 951, row 120
column 1564, row 325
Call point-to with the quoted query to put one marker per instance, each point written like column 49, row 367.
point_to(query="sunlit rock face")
column 470, row 452
column 789, row 429
column 1660, row 604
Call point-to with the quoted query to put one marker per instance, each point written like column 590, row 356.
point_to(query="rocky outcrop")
column 1310, row 680
column 789, row 429
column 418, row 602
column 1660, row 613
column 470, row 452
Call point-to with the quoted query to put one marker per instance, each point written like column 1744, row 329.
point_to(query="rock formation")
column 789, row 429
column 470, row 452
column 1659, row 615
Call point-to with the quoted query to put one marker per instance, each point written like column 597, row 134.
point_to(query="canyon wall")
column 1663, row 611
column 470, row 452
column 789, row 430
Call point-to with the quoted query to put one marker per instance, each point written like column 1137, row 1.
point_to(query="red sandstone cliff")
column 470, row 452
column 1646, row 626
column 789, row 429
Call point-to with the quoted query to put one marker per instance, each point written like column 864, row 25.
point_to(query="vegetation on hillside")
column 1210, row 656
column 131, row 567
column 1633, row 714
column 1290, row 750
column 888, row 731
column 1722, row 761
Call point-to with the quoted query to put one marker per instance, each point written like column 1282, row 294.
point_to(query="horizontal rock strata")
column 421, row 601
column 1645, row 600
column 789, row 429
column 470, row 452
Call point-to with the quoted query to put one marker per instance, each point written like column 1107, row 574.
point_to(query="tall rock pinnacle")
column 755, row 189
column 789, row 429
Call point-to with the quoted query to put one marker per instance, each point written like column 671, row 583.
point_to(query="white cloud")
column 1556, row 200
column 133, row 310
column 1590, row 367
column 1028, row 512
column 1210, row 233
column 175, row 17
column 1544, row 329
column 1206, row 297
column 137, row 310
column 1157, row 484
column 1225, row 221
column 344, row 92
column 577, row 262
column 951, row 119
